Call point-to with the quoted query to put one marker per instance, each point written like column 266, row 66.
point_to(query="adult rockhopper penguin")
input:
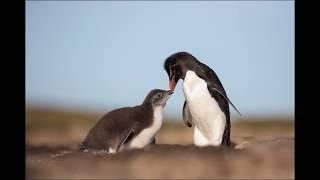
column 206, row 103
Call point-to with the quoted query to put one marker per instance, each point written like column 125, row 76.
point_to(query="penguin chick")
column 128, row 127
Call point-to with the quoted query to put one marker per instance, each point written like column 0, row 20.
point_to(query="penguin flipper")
column 187, row 117
column 125, row 137
column 213, row 88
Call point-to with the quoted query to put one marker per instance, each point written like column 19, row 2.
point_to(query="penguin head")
column 177, row 66
column 157, row 97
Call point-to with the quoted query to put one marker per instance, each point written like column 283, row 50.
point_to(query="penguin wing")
column 214, row 88
column 187, row 117
column 214, row 84
column 124, row 137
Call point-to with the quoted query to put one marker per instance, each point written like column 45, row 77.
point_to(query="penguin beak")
column 172, row 83
column 167, row 95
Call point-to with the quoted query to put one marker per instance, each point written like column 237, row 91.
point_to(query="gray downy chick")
column 128, row 127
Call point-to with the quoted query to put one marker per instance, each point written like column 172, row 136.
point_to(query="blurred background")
column 84, row 59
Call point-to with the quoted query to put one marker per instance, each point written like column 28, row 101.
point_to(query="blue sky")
column 104, row 54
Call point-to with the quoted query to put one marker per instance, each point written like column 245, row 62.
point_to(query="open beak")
column 172, row 84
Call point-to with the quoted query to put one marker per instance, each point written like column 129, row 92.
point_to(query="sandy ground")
column 264, row 150
column 272, row 159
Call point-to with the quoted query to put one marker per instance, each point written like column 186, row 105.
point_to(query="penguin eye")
column 159, row 95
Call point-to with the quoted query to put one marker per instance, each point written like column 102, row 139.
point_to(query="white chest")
column 205, row 111
column 145, row 136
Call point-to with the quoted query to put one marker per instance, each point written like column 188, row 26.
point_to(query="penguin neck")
column 157, row 116
column 147, row 105
column 152, row 109
column 156, row 109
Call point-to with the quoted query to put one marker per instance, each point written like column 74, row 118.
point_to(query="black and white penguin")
column 128, row 127
column 206, row 103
